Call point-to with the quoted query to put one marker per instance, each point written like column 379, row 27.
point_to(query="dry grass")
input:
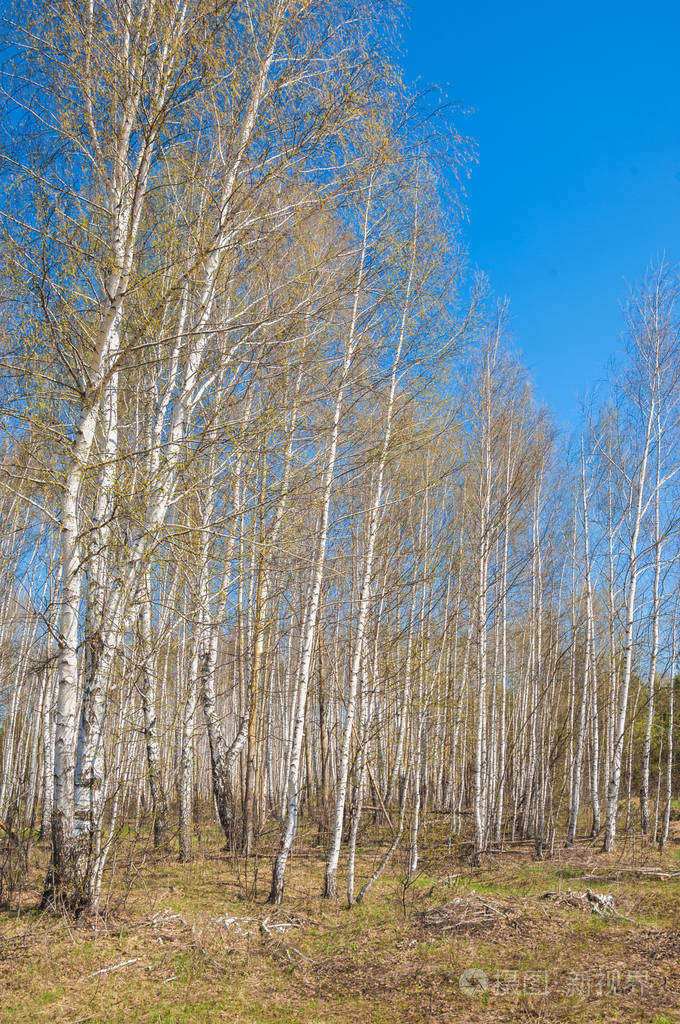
column 188, row 945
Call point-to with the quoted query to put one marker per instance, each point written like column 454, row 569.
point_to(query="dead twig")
column 116, row 967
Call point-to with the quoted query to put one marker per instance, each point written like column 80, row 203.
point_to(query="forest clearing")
column 198, row 942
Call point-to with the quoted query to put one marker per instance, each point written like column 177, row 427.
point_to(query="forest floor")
column 512, row 940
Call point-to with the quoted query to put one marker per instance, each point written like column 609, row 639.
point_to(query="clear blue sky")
column 576, row 114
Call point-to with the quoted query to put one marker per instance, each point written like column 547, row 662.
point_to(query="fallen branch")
column 597, row 903
column 651, row 873
column 116, row 967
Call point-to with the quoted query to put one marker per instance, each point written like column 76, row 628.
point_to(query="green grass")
column 376, row 963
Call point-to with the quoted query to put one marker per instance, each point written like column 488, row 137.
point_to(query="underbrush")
column 512, row 939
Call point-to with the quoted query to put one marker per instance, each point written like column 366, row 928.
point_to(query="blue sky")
column 576, row 115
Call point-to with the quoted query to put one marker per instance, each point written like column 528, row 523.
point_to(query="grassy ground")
column 168, row 948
